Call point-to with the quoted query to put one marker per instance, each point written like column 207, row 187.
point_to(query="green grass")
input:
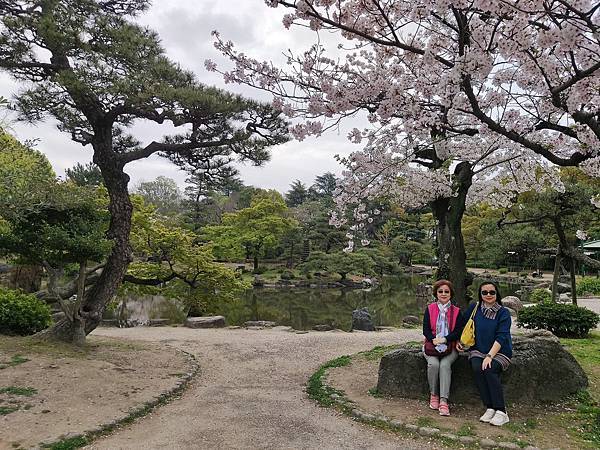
column 522, row 427
column 4, row 410
column 320, row 392
column 466, row 430
column 375, row 393
column 68, row 444
column 587, row 353
column 426, row 422
column 377, row 353
column 17, row 390
column 14, row 361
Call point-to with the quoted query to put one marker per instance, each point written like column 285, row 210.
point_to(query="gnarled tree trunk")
column 448, row 213
column 102, row 292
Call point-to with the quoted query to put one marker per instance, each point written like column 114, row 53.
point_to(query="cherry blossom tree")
column 465, row 100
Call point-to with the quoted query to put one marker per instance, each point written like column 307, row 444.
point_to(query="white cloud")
column 184, row 27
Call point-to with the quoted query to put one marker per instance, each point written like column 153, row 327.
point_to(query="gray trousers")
column 439, row 373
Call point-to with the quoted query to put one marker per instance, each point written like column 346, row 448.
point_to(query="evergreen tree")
column 85, row 175
column 87, row 65
column 297, row 194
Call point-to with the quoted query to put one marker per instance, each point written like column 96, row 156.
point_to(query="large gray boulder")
column 512, row 302
column 205, row 322
column 542, row 371
column 361, row 320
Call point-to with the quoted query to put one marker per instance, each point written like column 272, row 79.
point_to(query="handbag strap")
column 474, row 311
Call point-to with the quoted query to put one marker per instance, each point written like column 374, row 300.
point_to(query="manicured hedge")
column 563, row 320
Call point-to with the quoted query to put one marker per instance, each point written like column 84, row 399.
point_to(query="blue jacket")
column 489, row 330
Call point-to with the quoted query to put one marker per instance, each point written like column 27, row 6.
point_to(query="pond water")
column 389, row 302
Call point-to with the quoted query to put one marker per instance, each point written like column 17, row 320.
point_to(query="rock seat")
column 542, row 371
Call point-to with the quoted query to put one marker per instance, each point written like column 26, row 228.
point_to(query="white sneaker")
column 487, row 415
column 499, row 419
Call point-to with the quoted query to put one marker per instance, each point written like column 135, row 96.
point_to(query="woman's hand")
column 459, row 347
column 439, row 340
column 487, row 362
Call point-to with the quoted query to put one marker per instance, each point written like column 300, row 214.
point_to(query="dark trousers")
column 488, row 383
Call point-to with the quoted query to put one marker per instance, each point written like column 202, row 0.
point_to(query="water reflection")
column 302, row 309
column 389, row 302
column 140, row 310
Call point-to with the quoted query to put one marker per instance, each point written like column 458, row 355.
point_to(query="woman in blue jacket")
column 492, row 351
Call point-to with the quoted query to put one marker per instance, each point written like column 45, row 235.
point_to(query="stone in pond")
column 205, row 322
column 361, row 320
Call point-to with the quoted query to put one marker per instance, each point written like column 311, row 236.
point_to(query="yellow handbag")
column 467, row 338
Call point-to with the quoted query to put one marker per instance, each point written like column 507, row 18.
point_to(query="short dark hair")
column 493, row 283
column 440, row 283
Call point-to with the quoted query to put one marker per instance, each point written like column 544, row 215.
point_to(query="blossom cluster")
column 510, row 87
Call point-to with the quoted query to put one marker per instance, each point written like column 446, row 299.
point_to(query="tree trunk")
column 255, row 262
column 306, row 249
column 448, row 213
column 26, row 277
column 120, row 208
column 573, row 283
column 78, row 321
column 290, row 262
column 556, row 274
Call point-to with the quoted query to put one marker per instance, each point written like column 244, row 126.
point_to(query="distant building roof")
column 591, row 245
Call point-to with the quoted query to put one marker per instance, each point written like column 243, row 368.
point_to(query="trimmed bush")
column 569, row 321
column 589, row 286
column 287, row 275
column 22, row 313
column 539, row 295
column 503, row 270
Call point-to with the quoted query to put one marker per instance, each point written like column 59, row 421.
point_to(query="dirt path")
column 250, row 393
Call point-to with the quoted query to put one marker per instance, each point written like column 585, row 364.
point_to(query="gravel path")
column 250, row 393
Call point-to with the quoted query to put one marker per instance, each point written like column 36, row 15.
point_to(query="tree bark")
column 556, row 274
column 448, row 213
column 573, row 283
column 101, row 293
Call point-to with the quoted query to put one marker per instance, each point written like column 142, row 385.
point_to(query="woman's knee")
column 446, row 363
column 433, row 363
column 476, row 365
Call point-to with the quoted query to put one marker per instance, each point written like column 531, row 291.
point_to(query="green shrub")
column 22, row 313
column 562, row 320
column 588, row 285
column 539, row 295
column 503, row 270
column 259, row 270
column 287, row 275
column 523, row 274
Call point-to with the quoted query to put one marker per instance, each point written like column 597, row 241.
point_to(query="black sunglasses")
column 488, row 292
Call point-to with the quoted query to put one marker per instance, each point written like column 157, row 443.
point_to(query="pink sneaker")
column 444, row 409
column 434, row 401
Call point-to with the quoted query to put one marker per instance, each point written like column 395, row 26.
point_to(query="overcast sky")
column 184, row 27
